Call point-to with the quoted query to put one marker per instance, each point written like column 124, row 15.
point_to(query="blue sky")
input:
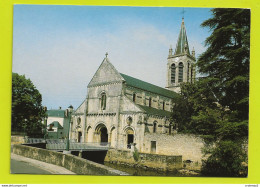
column 60, row 47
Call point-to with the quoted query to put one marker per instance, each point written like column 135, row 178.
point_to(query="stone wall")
column 73, row 163
column 185, row 59
column 17, row 139
column 189, row 146
column 150, row 161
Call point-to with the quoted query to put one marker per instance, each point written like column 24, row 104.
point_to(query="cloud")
column 62, row 63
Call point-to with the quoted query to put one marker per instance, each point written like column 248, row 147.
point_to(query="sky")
column 60, row 47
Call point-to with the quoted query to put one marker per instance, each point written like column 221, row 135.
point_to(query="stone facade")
column 127, row 112
column 181, row 64
column 122, row 121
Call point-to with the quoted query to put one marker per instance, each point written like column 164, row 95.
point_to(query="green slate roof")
column 131, row 81
column 56, row 124
column 154, row 111
column 182, row 41
column 56, row 113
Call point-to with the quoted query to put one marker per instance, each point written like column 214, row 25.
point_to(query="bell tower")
column 181, row 64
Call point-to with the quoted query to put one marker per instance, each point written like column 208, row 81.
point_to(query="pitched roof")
column 56, row 124
column 182, row 41
column 131, row 81
column 106, row 73
column 56, row 113
column 154, row 111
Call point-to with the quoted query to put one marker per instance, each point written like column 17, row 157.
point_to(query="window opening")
column 154, row 127
column 153, row 146
column 103, row 101
column 163, row 105
column 150, row 102
column 191, row 75
column 180, row 72
column 173, row 69
column 188, row 72
column 134, row 97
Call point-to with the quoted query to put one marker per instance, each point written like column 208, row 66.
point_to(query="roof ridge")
column 146, row 82
column 155, row 111
column 167, row 93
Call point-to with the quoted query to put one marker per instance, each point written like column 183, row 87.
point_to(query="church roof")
column 56, row 113
column 131, row 81
column 154, row 111
column 182, row 41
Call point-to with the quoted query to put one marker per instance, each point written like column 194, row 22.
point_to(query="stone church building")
column 127, row 112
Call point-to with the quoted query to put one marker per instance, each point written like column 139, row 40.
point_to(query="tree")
column 227, row 159
column 226, row 61
column 216, row 106
column 227, row 58
column 27, row 111
column 196, row 110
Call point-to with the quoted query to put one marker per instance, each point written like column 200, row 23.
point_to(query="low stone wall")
column 17, row 139
column 148, row 161
column 188, row 145
column 73, row 163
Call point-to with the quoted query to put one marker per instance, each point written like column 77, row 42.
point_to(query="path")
column 23, row 165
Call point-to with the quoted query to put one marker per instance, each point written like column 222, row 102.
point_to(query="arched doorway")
column 129, row 137
column 79, row 136
column 101, row 134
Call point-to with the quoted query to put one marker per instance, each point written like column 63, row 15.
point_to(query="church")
column 129, row 113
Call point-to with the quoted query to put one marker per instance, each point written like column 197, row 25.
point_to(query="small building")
column 57, row 124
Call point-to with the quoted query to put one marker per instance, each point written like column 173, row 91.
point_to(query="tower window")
column 191, row 75
column 134, row 97
column 150, row 101
column 173, row 69
column 188, row 72
column 103, row 101
column 180, row 72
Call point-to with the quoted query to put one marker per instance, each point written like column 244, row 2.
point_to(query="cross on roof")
column 183, row 11
column 106, row 54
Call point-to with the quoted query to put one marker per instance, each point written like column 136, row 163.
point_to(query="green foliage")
column 227, row 58
column 27, row 111
column 226, row 160
column 196, row 110
column 136, row 154
column 216, row 106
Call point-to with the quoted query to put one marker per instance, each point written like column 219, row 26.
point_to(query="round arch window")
column 129, row 120
column 78, row 120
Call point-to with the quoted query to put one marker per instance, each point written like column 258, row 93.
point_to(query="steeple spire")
column 182, row 46
column 181, row 65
